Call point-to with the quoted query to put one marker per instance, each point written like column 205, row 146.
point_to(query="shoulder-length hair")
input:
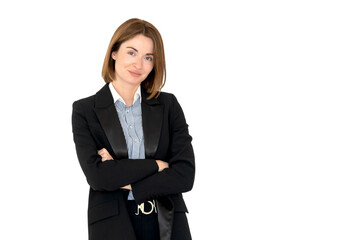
column 129, row 29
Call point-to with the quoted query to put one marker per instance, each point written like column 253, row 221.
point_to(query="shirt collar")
column 116, row 96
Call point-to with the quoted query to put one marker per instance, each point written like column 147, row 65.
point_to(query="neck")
column 126, row 91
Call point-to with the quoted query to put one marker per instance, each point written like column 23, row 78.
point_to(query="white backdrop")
column 270, row 90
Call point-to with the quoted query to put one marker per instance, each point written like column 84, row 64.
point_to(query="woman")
column 133, row 144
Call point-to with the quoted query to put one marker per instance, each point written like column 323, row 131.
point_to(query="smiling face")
column 134, row 60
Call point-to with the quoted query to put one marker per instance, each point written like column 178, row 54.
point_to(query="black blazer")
column 95, row 126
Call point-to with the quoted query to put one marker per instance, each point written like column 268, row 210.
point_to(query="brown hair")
column 129, row 29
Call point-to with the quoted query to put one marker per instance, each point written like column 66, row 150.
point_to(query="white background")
column 270, row 90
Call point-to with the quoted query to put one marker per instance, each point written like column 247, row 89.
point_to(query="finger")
column 106, row 159
column 102, row 150
column 102, row 155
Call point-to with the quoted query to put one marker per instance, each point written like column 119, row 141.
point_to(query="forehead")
column 139, row 42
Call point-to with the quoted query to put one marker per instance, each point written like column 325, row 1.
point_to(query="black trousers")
column 146, row 226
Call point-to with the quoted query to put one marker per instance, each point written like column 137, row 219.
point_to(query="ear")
column 113, row 55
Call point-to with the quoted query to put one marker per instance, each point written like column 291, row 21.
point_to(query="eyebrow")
column 137, row 51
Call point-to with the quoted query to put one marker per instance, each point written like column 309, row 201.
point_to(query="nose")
column 138, row 63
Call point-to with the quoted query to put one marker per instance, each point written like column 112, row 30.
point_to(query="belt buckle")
column 141, row 207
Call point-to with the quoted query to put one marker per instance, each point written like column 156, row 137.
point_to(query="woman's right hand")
column 105, row 155
column 162, row 165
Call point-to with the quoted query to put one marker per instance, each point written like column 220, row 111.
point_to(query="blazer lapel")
column 152, row 117
column 165, row 217
column 152, row 120
column 109, row 120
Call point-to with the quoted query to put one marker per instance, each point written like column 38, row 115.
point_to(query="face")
column 134, row 60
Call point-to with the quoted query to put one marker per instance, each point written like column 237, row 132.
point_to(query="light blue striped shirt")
column 131, row 123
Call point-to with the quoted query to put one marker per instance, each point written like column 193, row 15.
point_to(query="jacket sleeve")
column 109, row 175
column 179, row 177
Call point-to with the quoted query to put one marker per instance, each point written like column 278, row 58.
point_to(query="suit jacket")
column 95, row 126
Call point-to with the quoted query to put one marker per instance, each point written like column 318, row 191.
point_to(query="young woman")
column 133, row 144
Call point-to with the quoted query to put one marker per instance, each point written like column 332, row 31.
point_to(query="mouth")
column 134, row 74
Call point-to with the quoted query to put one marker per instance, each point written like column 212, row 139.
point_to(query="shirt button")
column 135, row 140
column 130, row 127
column 127, row 111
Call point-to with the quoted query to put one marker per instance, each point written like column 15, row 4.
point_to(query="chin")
column 135, row 81
column 132, row 80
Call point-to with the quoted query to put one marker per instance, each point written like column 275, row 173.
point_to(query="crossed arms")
column 105, row 156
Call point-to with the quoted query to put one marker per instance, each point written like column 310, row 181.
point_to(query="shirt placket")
column 135, row 141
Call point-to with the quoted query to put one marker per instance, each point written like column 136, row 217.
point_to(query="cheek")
column 124, row 62
column 148, row 69
column 128, row 62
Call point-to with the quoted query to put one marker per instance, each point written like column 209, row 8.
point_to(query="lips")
column 134, row 74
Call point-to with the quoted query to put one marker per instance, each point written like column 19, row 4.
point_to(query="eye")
column 131, row 53
column 148, row 58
